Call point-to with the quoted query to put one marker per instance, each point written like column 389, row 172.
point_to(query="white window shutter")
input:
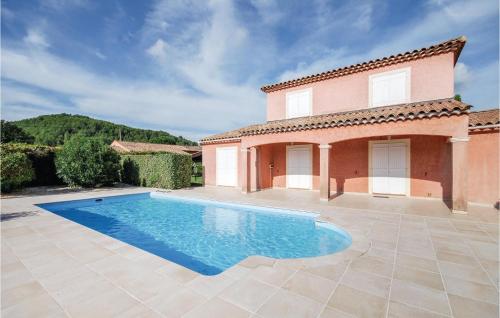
column 389, row 88
column 298, row 104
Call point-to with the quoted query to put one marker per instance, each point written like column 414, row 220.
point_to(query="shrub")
column 87, row 162
column 15, row 170
column 42, row 159
column 158, row 170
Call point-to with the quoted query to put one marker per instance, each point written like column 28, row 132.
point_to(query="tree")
column 87, row 162
column 458, row 97
column 12, row 133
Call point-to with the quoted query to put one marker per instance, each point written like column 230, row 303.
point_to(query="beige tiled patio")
column 409, row 258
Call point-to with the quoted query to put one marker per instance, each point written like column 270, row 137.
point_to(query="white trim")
column 407, row 99
column 309, row 90
column 408, row 165
column 326, row 146
column 311, row 155
column 458, row 139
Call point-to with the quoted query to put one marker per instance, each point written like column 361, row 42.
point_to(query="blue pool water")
column 205, row 236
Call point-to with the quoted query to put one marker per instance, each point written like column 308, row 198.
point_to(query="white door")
column 299, row 167
column 226, row 162
column 389, row 169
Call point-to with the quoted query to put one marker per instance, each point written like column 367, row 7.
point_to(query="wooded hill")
column 54, row 129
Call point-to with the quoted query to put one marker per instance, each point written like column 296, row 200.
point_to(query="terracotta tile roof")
column 484, row 118
column 410, row 111
column 128, row 146
column 453, row 45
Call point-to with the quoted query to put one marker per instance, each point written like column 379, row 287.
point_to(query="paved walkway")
column 412, row 260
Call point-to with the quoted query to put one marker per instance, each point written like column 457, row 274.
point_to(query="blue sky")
column 194, row 68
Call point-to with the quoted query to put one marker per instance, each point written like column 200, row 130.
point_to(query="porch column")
column 459, row 167
column 245, row 170
column 324, row 172
column 254, row 173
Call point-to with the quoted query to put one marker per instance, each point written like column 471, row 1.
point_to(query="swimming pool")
column 205, row 236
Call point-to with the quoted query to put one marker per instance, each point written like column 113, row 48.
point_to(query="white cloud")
column 36, row 38
column 439, row 24
column 161, row 106
column 100, row 55
column 462, row 74
column 481, row 89
column 64, row 4
column 158, row 49
column 268, row 10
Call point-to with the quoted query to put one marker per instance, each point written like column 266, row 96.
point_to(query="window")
column 298, row 103
column 390, row 88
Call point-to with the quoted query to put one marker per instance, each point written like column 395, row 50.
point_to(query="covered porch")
column 411, row 159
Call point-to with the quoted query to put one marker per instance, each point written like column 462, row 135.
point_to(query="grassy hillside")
column 54, row 129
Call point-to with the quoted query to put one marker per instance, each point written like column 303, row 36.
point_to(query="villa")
column 389, row 126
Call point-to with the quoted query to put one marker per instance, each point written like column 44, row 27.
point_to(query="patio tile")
column 357, row 303
column 374, row 284
column 331, row 271
column 176, row 304
column 491, row 268
column 382, row 253
column 398, row 310
column 271, row 275
column 17, row 276
column 236, row 272
column 334, row 313
column 374, row 265
column 419, row 277
column 427, row 298
column 456, row 258
column 139, row 311
column 256, row 261
column 472, row 290
column 382, row 244
column 484, row 250
column 103, row 304
column 417, row 262
column 456, row 248
column 13, row 232
column 287, row 304
column 310, row 286
column 67, row 277
column 469, row 273
column 20, row 293
column 81, row 290
column 467, row 308
column 146, row 286
column 217, row 308
column 248, row 293
column 39, row 306
column 178, row 273
column 210, row 286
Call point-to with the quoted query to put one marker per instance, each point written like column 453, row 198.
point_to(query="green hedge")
column 15, row 170
column 157, row 170
column 42, row 159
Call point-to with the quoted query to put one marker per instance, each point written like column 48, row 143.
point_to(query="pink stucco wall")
column 431, row 78
column 483, row 176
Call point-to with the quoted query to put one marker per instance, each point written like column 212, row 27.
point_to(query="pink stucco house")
column 389, row 126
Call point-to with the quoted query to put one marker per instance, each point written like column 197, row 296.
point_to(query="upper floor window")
column 390, row 88
column 299, row 103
